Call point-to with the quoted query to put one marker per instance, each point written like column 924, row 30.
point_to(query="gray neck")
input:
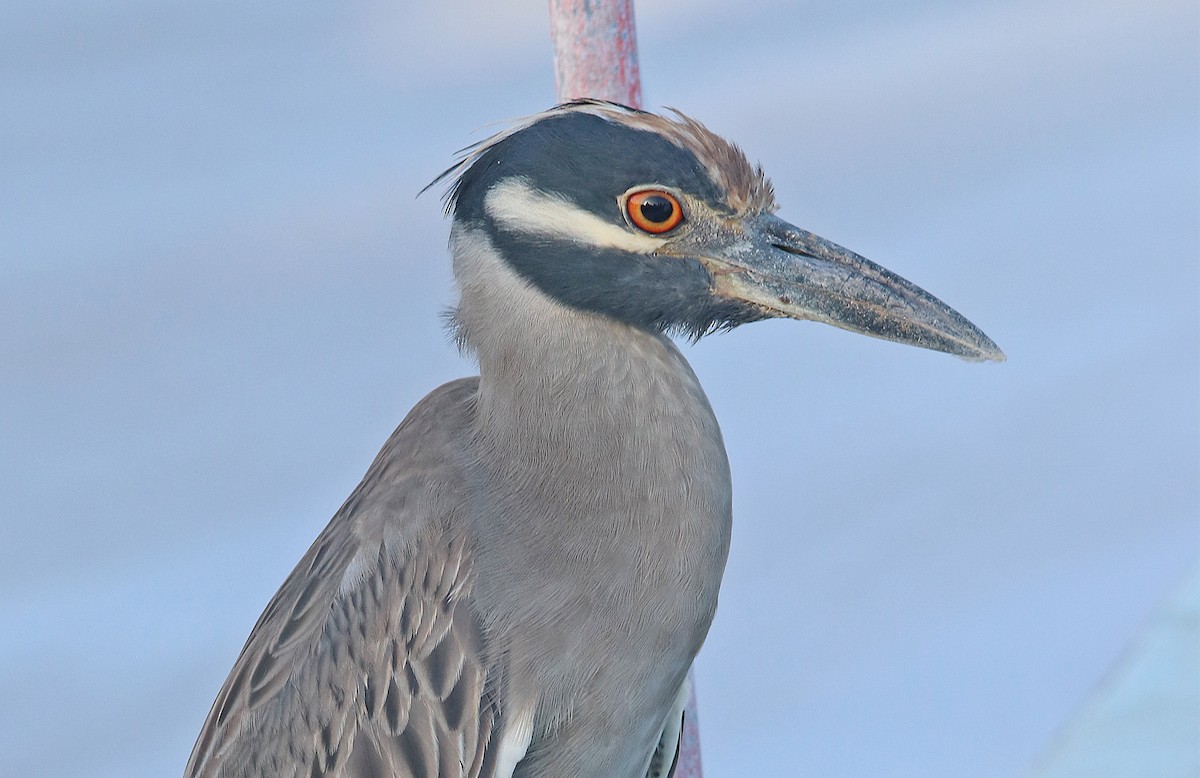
column 561, row 386
column 603, row 425
column 603, row 499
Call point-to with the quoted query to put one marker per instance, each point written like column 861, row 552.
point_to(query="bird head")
column 661, row 224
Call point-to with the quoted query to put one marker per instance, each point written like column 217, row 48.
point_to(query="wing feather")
column 370, row 661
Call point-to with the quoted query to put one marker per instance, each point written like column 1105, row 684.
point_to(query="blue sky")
column 219, row 293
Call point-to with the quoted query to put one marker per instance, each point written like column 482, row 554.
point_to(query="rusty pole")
column 595, row 55
column 595, row 50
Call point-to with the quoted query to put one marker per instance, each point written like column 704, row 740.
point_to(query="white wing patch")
column 515, row 742
column 516, row 206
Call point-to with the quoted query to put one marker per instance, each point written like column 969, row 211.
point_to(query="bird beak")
column 785, row 271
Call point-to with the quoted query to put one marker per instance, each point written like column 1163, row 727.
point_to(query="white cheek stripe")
column 518, row 207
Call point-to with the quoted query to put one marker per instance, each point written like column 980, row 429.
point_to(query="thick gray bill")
column 789, row 272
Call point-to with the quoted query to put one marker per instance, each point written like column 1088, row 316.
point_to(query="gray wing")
column 369, row 660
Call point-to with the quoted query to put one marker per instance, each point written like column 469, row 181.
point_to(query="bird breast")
column 603, row 500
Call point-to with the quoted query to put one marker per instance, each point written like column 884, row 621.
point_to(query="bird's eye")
column 654, row 211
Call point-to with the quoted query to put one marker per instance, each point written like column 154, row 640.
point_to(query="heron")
column 521, row 581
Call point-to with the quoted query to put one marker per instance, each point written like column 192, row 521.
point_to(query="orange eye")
column 654, row 211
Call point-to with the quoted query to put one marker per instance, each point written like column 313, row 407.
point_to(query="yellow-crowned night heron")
column 521, row 581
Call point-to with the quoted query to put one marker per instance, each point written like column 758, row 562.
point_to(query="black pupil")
column 657, row 209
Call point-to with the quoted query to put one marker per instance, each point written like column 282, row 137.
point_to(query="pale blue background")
column 219, row 294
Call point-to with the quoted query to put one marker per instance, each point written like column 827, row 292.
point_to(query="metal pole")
column 595, row 55
column 595, row 50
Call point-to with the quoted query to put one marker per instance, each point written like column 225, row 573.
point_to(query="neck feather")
column 603, row 481
column 563, row 375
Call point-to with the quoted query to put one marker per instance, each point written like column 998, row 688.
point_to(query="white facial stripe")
column 518, row 207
